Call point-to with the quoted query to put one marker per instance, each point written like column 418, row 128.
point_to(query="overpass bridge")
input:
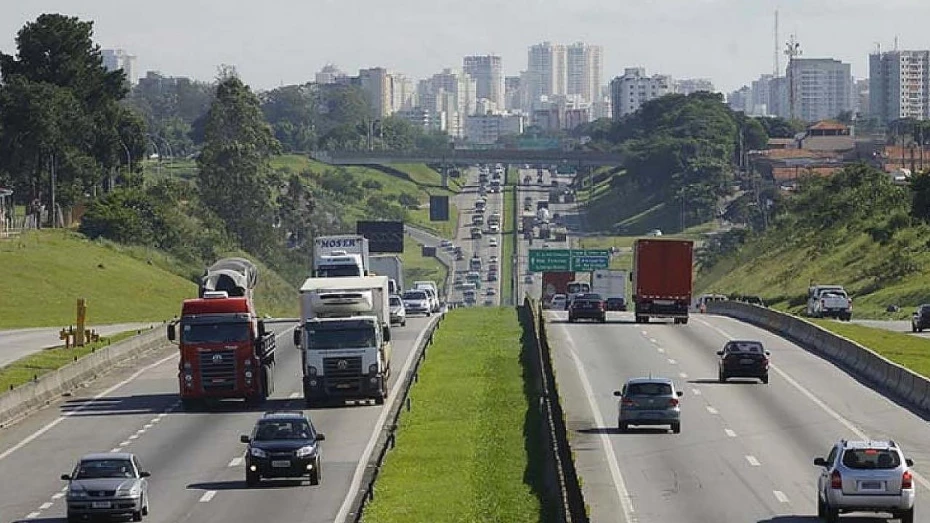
column 471, row 157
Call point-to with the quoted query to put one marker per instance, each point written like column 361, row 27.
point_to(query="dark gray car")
column 110, row 484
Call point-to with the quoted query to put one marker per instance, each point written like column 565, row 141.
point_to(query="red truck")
column 555, row 283
column 662, row 279
column 225, row 351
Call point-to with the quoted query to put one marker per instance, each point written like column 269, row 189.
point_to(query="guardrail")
column 43, row 390
column 387, row 440
column 895, row 381
column 556, row 435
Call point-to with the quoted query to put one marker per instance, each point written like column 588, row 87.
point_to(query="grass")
column 463, row 453
column 419, row 267
column 903, row 349
column 36, row 365
column 508, row 229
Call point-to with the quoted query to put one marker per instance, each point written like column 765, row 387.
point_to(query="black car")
column 921, row 318
column 743, row 359
column 589, row 306
column 283, row 445
column 616, row 304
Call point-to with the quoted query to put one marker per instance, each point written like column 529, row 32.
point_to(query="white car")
column 417, row 302
column 528, row 278
column 398, row 312
column 492, row 242
column 558, row 302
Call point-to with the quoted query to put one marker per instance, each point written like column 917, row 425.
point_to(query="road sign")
column 550, row 260
column 561, row 260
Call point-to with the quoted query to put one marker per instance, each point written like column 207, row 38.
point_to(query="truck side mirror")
column 261, row 328
column 387, row 333
column 631, row 276
column 297, row 337
column 172, row 334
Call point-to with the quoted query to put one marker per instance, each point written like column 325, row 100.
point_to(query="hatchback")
column 743, row 359
column 649, row 402
column 283, row 445
column 108, row 484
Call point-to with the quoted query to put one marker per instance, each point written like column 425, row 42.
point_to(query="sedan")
column 417, row 302
column 398, row 312
column 649, row 401
column 108, row 484
column 743, row 359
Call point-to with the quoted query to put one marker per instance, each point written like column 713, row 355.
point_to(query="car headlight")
column 303, row 452
column 311, row 371
column 373, row 368
column 248, row 374
column 77, row 494
column 133, row 492
column 258, row 453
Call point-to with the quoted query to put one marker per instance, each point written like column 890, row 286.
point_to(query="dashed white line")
column 162, row 415
column 673, row 362
column 661, row 350
column 33, row 515
column 114, row 450
column 683, row 375
column 134, row 436
column 58, row 495
column 696, row 392
column 730, row 432
column 45, row 506
column 294, row 395
column 780, row 496
column 711, row 409
column 752, row 461
column 207, row 496
column 653, row 340
column 124, row 443
column 235, row 462
column 148, row 425
column 645, row 333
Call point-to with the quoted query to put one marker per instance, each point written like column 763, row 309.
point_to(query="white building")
column 403, row 93
column 634, row 88
column 899, row 85
column 583, row 71
column 819, row 88
column 761, row 96
column 487, row 129
column 546, row 67
column 741, row 100
column 687, row 86
column 329, row 74
column 488, row 73
column 451, row 93
column 114, row 59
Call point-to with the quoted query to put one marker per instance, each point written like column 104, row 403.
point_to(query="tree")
column 235, row 169
column 291, row 112
column 776, row 127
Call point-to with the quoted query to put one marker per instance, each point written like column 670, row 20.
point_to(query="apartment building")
column 488, row 73
column 634, row 88
column 899, row 85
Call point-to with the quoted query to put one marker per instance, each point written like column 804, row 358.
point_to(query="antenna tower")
column 792, row 51
column 776, row 62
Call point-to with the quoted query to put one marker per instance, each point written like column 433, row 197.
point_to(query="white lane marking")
column 84, row 406
column 114, row 450
column 235, row 462
column 64, row 489
column 58, row 495
column 124, row 443
column 147, row 426
column 207, row 496
column 134, row 436
column 626, row 501
column 683, row 375
column 661, row 350
column 752, row 461
column 653, row 340
column 696, row 392
column 711, row 409
column 673, row 362
column 46, row 505
column 730, row 432
column 161, row 415
column 33, row 515
column 645, row 333
column 370, row 447
column 780, row 496
column 294, row 395
column 810, row 395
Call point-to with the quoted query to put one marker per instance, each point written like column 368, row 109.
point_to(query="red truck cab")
column 224, row 351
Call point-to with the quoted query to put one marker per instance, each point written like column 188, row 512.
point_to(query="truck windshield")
column 330, row 339
column 214, row 332
column 337, row 271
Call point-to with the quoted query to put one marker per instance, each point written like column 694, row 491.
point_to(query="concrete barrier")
column 893, row 380
column 40, row 392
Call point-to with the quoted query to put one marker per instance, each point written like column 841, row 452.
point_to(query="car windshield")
column 745, row 347
column 214, row 332
column 415, row 295
column 105, row 468
column 649, row 389
column 396, row 302
column 871, row 459
column 279, row 429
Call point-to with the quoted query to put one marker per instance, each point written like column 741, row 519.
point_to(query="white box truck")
column 340, row 256
column 389, row 265
column 611, row 285
column 344, row 337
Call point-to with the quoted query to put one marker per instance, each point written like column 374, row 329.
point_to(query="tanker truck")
column 225, row 350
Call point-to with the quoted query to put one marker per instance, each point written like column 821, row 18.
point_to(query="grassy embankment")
column 419, row 267
column 467, row 450
column 903, row 349
column 507, row 245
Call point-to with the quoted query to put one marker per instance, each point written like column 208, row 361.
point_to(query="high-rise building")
column 761, row 96
column 488, row 73
column 487, row 129
column 861, row 92
column 819, row 88
column 778, row 97
column 329, row 74
column 634, row 88
column 512, row 98
column 692, row 85
column 741, row 100
column 451, row 93
column 583, row 71
column 546, row 65
column 376, row 82
column 403, row 93
column 114, row 59
column 899, row 85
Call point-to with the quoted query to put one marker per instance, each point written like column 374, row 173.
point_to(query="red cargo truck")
column 662, row 279
column 555, row 283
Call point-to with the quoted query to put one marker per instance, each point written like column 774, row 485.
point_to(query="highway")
column 19, row 343
column 195, row 458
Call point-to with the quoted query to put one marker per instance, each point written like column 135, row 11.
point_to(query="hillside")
column 854, row 229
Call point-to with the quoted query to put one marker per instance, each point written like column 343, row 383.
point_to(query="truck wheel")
column 379, row 399
column 684, row 321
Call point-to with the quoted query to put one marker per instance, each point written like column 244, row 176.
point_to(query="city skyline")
column 729, row 42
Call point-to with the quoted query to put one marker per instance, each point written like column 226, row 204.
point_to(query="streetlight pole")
column 128, row 161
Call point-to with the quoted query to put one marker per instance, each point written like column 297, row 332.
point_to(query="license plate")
column 870, row 485
column 100, row 504
column 746, row 361
column 344, row 386
column 281, row 464
column 664, row 302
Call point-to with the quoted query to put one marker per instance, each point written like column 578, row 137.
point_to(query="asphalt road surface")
column 195, row 458
column 18, row 343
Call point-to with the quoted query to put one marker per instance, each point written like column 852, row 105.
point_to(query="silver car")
column 398, row 312
column 110, row 484
column 865, row 476
column 649, row 401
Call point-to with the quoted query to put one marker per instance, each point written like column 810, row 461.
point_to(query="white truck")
column 542, row 215
column 340, row 256
column 389, row 265
column 611, row 285
column 344, row 337
column 829, row 301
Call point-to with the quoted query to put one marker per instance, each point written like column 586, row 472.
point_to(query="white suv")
column 865, row 476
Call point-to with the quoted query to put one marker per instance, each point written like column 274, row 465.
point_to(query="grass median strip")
column 909, row 351
column 24, row 370
column 466, row 451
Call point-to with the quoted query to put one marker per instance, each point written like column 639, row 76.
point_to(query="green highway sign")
column 563, row 260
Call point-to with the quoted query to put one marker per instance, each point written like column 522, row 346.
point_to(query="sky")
column 280, row 42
